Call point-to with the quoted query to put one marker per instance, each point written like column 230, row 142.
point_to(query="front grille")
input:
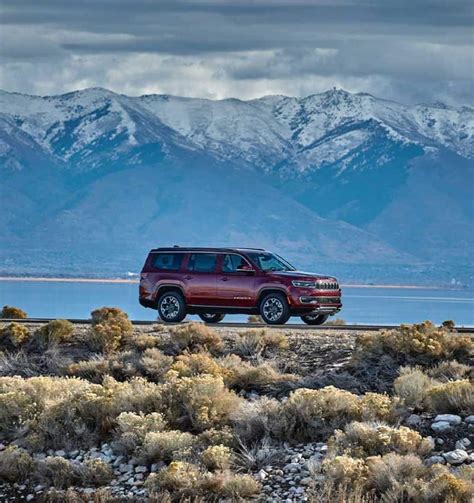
column 327, row 285
column 328, row 300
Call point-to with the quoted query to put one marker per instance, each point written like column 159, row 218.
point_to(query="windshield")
column 270, row 262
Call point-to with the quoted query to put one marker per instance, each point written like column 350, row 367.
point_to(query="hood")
column 302, row 275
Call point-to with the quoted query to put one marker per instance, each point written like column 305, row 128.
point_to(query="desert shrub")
column 198, row 402
column 142, row 341
column 54, row 332
column 257, row 455
column 252, row 343
column 371, row 439
column 56, row 471
column 15, row 464
column 423, row 342
column 154, row 364
column 110, row 328
column 255, row 420
column 243, row 375
column 381, row 407
column 450, row 370
column 192, row 364
column 309, row 414
column 178, row 477
column 238, row 487
column 218, row 436
column 13, row 335
column 452, row 396
column 132, row 429
column 93, row 370
column 412, row 386
column 344, row 470
column 13, row 313
column 217, row 457
column 166, row 445
column 94, row 472
column 445, row 486
column 336, row 322
column 196, row 336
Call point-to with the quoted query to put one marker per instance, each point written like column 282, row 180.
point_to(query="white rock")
column 413, row 420
column 306, row 481
column 433, row 460
column 141, row 469
column 463, row 443
column 456, row 457
column 449, row 418
column 262, row 475
column 469, row 419
column 441, row 426
column 30, row 497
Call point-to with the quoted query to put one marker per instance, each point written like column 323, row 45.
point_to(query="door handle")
column 224, row 279
column 188, row 277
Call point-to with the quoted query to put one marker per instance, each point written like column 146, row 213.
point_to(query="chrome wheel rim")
column 169, row 307
column 273, row 309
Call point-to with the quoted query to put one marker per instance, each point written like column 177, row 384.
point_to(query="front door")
column 235, row 282
column 200, row 279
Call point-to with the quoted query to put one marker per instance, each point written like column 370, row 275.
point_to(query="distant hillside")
column 92, row 179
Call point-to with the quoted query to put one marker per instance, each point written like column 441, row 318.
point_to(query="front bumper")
column 310, row 301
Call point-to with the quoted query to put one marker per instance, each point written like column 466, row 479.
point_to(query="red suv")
column 213, row 282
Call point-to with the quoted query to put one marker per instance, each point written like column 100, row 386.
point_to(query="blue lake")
column 46, row 299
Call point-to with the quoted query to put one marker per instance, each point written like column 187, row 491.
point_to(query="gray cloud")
column 400, row 49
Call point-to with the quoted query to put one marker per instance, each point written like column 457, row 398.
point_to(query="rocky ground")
column 287, row 472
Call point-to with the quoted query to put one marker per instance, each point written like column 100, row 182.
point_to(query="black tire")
column 315, row 319
column 171, row 307
column 274, row 309
column 211, row 318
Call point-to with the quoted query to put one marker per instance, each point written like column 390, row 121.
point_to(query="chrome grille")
column 327, row 285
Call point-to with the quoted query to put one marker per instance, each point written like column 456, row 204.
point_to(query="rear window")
column 202, row 262
column 167, row 261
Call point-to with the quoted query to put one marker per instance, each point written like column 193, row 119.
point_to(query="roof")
column 206, row 249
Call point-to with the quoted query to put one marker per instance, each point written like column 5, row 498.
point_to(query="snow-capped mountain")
column 337, row 176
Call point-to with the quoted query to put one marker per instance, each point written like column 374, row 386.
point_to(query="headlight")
column 304, row 284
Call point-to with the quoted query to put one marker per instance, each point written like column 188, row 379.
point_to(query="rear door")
column 200, row 279
column 235, row 281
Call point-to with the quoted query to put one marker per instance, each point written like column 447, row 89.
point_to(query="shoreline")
column 136, row 281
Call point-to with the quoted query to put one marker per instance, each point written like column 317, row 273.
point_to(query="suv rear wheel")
column 211, row 318
column 172, row 307
column 315, row 319
column 274, row 309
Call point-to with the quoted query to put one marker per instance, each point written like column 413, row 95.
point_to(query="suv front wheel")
column 172, row 307
column 315, row 319
column 211, row 318
column 274, row 309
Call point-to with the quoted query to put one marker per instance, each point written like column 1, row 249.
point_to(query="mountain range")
column 92, row 179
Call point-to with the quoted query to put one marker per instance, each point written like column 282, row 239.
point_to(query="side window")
column 232, row 263
column 167, row 261
column 202, row 262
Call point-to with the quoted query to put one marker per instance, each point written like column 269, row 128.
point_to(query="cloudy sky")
column 407, row 50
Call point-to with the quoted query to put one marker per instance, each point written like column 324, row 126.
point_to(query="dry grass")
column 258, row 342
column 13, row 313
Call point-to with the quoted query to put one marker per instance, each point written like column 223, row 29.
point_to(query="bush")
column 177, row 477
column 110, row 327
column 310, row 414
column 54, row 332
column 198, row 402
column 13, row 335
column 56, row 471
column 192, row 364
column 450, row 371
column 258, row 419
column 240, row 487
column 132, row 429
column 252, row 343
column 93, row 370
column 95, row 472
column 371, row 439
column 166, row 445
column 196, row 336
column 423, row 342
column 413, row 386
column 15, row 464
column 452, row 397
column 345, row 470
column 217, row 457
column 154, row 364
column 13, row 313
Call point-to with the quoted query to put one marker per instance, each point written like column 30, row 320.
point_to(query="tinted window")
column 167, row 261
column 232, row 263
column 270, row 262
column 202, row 262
